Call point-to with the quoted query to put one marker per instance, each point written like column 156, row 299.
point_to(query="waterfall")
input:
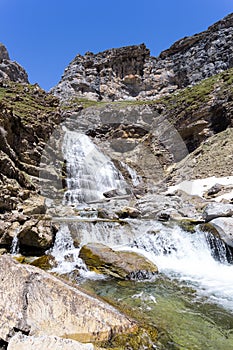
column 67, row 255
column 194, row 259
column 187, row 257
column 136, row 179
column 14, row 250
column 89, row 172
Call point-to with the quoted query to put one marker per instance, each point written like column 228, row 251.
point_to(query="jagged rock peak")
column 3, row 53
column 10, row 70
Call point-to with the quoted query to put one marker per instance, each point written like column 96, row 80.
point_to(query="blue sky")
column 45, row 35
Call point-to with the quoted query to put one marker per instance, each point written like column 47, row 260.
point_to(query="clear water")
column 174, row 308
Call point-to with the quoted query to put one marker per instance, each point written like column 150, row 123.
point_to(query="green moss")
column 26, row 100
column 188, row 225
column 142, row 338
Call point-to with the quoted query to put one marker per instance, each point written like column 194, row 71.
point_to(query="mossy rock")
column 188, row 225
column 209, row 228
column 142, row 338
column 44, row 262
column 119, row 264
column 20, row 259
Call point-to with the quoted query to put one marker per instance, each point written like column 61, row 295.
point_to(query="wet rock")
column 128, row 212
column 5, row 239
column 164, row 216
column 104, row 214
column 118, row 264
column 23, row 342
column 36, row 303
column 215, row 210
column 224, row 228
column 44, row 262
column 113, row 193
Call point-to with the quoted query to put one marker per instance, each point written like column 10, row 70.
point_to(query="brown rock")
column 119, row 264
column 128, row 212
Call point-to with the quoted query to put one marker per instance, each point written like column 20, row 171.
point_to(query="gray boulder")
column 215, row 210
column 224, row 227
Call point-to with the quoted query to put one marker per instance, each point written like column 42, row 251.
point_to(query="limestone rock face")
column 130, row 72
column 22, row 342
column 38, row 304
column 120, row 264
column 9, row 69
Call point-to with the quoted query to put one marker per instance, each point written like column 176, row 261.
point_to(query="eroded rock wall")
column 131, row 73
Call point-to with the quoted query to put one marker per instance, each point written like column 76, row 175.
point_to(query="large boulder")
column 119, row 264
column 215, row 210
column 23, row 342
column 37, row 303
column 224, row 228
column 128, row 212
column 36, row 235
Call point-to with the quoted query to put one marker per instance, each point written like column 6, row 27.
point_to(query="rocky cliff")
column 131, row 73
column 27, row 118
column 9, row 69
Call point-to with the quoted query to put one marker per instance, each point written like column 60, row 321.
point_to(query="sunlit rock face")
column 9, row 69
column 38, row 304
column 131, row 73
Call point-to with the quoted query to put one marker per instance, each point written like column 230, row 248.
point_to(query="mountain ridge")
column 131, row 73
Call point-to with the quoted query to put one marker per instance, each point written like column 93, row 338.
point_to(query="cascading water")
column 136, row 179
column 15, row 244
column 89, row 172
column 187, row 257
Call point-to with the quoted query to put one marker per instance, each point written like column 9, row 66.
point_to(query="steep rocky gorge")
column 166, row 125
